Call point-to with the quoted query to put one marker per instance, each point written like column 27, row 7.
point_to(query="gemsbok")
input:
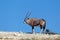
column 35, row 22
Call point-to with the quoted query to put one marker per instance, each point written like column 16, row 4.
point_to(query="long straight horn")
column 27, row 14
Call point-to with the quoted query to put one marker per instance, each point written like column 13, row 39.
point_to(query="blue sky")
column 12, row 14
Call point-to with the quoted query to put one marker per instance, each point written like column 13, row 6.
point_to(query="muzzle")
column 24, row 22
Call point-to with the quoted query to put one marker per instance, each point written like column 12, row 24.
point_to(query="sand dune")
column 27, row 36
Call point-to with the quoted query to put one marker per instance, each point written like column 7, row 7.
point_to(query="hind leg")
column 40, row 29
column 43, row 29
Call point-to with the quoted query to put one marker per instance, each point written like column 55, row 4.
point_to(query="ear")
column 27, row 18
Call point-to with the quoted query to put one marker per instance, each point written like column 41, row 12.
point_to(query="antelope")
column 35, row 22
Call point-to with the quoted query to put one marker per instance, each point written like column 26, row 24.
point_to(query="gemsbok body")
column 35, row 22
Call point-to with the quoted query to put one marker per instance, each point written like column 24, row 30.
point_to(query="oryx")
column 35, row 22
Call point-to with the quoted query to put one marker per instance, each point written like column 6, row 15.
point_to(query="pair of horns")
column 28, row 14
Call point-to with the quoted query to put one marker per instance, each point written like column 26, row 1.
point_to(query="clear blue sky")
column 12, row 14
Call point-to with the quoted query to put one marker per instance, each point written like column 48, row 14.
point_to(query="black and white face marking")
column 26, row 20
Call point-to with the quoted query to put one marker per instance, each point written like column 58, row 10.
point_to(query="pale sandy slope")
column 25, row 36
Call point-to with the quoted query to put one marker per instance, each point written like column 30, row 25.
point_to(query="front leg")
column 32, row 29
